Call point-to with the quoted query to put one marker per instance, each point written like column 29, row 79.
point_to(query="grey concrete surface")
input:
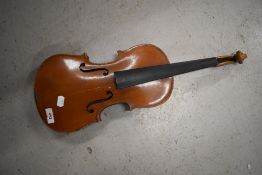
column 212, row 123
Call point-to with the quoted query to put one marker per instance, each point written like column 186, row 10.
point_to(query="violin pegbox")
column 238, row 57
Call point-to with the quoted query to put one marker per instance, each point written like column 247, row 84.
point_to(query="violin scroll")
column 240, row 57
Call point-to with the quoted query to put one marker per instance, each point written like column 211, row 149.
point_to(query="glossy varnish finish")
column 87, row 93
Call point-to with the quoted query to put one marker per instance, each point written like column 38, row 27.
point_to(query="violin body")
column 71, row 91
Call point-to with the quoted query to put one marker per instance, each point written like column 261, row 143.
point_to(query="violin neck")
column 129, row 78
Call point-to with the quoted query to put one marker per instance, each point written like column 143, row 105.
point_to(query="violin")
column 71, row 91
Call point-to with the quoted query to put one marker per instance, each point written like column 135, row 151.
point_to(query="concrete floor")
column 212, row 123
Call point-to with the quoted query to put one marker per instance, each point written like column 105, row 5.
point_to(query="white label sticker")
column 49, row 115
column 60, row 101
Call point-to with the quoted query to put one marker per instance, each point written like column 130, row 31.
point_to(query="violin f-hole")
column 90, row 110
column 84, row 69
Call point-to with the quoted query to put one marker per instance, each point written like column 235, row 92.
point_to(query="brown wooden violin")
column 71, row 91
